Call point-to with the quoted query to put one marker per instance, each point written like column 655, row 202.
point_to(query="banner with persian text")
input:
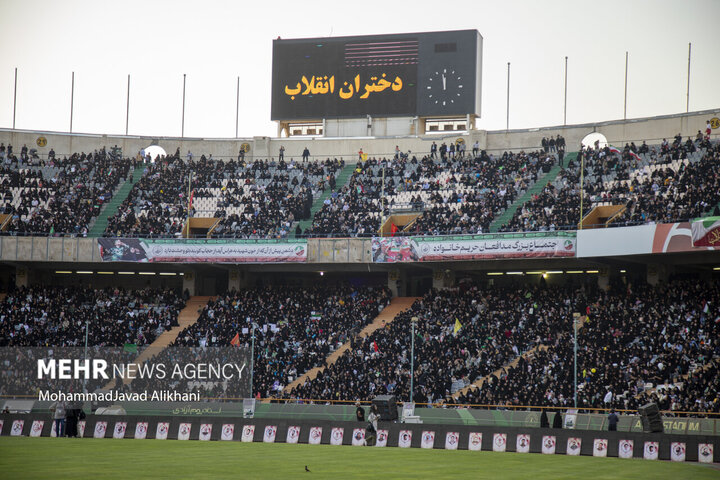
column 200, row 251
column 473, row 247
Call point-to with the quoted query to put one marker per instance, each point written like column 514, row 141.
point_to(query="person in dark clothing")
column 557, row 420
column 544, row 422
column 71, row 420
column 612, row 421
column 359, row 412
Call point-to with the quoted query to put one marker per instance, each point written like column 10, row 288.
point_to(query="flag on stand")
column 393, row 229
column 236, row 340
column 458, row 326
column 375, row 347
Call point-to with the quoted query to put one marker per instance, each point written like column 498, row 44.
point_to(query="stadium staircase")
column 187, row 317
column 535, row 189
column 110, row 208
column 397, row 306
column 479, row 383
column 340, row 181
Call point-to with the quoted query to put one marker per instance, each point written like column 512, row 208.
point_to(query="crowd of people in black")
column 257, row 199
column 295, row 328
column 633, row 338
column 456, row 193
column 50, row 322
column 673, row 190
column 56, row 316
column 58, row 196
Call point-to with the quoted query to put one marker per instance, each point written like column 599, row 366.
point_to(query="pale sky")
column 213, row 42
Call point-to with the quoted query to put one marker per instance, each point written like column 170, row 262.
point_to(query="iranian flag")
column 706, row 232
column 618, row 152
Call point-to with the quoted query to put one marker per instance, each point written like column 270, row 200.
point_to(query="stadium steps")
column 535, row 189
column 187, row 317
column 340, row 181
column 397, row 306
column 498, row 372
column 110, row 208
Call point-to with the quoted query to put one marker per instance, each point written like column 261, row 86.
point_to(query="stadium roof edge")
column 240, row 139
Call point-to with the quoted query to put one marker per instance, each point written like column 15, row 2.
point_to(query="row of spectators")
column 59, row 196
column 665, row 186
column 460, row 193
column 56, row 316
column 632, row 342
column 295, row 328
column 633, row 338
column 457, row 193
column 252, row 200
column 50, row 322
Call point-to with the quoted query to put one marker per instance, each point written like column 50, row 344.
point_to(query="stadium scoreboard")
column 414, row 74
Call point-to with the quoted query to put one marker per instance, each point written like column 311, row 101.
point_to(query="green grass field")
column 44, row 458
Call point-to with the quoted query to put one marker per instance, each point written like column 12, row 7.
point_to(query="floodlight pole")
column 582, row 184
column 626, row 76
column 252, row 361
column 413, row 321
column 237, row 107
column 687, row 105
column 127, row 109
column 87, row 326
column 72, row 99
column 382, row 202
column 565, row 106
column 575, row 348
column 507, row 121
column 182, row 129
column 15, row 98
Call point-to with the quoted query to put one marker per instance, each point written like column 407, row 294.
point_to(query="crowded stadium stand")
column 647, row 184
column 417, row 268
column 57, row 195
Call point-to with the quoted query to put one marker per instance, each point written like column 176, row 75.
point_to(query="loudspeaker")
column 651, row 420
column 386, row 406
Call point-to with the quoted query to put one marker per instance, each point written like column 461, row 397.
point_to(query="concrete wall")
column 617, row 132
column 71, row 250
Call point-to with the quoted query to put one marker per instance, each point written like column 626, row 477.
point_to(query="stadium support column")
column 604, row 278
column 397, row 280
column 443, row 278
column 22, row 277
column 238, row 279
column 657, row 273
column 413, row 322
column 189, row 281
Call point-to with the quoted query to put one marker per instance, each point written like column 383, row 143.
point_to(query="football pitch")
column 43, row 458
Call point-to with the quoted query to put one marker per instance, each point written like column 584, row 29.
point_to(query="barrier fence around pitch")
column 498, row 438
column 431, row 405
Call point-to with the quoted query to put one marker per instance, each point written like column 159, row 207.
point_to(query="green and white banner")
column 474, row 247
